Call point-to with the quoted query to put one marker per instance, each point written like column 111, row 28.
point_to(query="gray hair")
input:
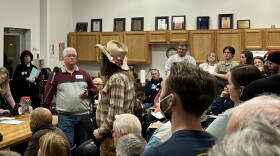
column 258, row 139
column 128, row 123
column 131, row 145
column 69, row 49
column 265, row 106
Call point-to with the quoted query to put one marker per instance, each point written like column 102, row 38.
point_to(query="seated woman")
column 220, row 105
column 238, row 77
column 52, row 144
column 210, row 63
column 7, row 101
column 246, row 57
column 259, row 63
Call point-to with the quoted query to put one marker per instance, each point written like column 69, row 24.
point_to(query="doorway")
column 14, row 44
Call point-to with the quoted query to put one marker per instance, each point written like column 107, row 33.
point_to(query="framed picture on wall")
column 225, row 21
column 243, row 24
column 161, row 23
column 119, row 24
column 137, row 24
column 178, row 22
column 96, row 25
column 81, row 27
column 202, row 22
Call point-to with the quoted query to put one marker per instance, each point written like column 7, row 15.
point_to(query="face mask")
column 160, row 107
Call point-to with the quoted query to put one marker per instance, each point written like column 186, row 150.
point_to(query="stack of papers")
column 10, row 120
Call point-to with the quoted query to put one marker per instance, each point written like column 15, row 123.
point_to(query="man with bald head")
column 264, row 106
column 40, row 124
column 98, row 83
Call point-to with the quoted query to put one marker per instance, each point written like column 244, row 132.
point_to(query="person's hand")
column 4, row 111
column 94, row 106
column 97, row 135
column 84, row 94
column 224, row 94
column 214, row 73
column 30, row 79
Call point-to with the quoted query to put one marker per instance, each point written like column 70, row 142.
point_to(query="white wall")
column 20, row 14
column 262, row 14
column 59, row 24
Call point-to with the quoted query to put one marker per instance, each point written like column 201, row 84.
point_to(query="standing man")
column 220, row 72
column 118, row 95
column 180, row 56
column 40, row 124
column 71, row 86
column 152, row 88
column 183, row 105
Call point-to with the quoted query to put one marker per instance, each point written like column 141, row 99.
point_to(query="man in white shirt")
column 179, row 57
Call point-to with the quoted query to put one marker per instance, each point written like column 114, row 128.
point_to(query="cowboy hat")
column 115, row 51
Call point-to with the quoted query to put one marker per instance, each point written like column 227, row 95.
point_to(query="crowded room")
column 139, row 78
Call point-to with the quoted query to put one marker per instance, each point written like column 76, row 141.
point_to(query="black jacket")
column 33, row 144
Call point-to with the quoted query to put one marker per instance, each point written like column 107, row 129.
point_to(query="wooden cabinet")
column 72, row 40
column 86, row 50
column 272, row 39
column 138, row 49
column 105, row 37
column 158, row 37
column 229, row 38
column 202, row 43
column 178, row 36
column 253, row 39
column 161, row 37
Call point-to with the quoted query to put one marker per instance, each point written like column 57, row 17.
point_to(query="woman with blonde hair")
column 5, row 92
column 52, row 144
column 210, row 62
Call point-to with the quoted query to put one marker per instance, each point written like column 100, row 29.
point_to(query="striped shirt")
column 67, row 88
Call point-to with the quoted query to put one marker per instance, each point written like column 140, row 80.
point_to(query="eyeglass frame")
column 69, row 56
column 98, row 84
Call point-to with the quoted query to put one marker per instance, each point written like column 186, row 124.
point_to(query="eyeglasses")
column 71, row 56
column 183, row 49
column 98, row 84
column 227, row 52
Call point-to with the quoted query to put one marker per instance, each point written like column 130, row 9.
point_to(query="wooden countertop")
column 15, row 134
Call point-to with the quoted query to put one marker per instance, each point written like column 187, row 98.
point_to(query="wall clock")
column 171, row 51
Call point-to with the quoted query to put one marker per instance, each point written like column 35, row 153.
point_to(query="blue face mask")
column 160, row 106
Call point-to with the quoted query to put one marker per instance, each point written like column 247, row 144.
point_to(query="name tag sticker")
column 79, row 76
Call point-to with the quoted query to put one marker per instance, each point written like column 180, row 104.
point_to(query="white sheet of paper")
column 7, row 118
column 11, row 122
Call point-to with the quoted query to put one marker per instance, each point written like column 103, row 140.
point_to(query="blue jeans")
column 73, row 128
